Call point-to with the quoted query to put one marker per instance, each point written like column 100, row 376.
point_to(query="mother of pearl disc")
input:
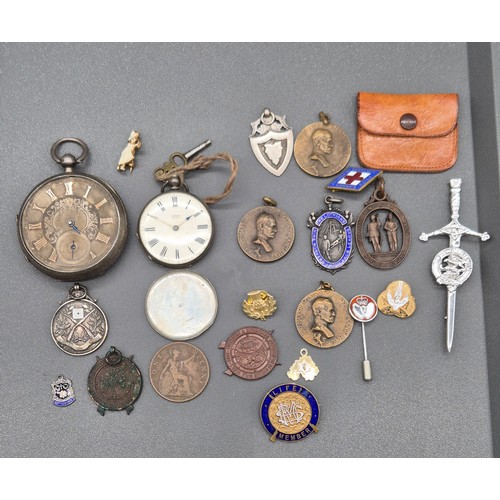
column 181, row 305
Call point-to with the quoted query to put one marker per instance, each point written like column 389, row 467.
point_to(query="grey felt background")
column 422, row 400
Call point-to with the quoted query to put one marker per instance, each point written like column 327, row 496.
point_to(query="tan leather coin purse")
column 408, row 132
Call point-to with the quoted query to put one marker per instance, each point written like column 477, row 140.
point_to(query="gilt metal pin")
column 453, row 266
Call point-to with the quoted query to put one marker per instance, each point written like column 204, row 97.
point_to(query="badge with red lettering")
column 289, row 412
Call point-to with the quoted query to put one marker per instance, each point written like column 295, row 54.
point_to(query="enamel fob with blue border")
column 331, row 237
column 289, row 412
column 63, row 393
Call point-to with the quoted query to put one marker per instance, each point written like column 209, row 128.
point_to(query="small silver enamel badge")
column 272, row 142
column 63, row 393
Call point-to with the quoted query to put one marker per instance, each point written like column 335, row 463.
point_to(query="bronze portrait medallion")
column 322, row 149
column 266, row 233
column 179, row 372
column 322, row 317
column 250, row 353
column 382, row 231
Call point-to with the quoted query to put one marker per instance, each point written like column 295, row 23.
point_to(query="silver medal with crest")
column 79, row 326
column 272, row 142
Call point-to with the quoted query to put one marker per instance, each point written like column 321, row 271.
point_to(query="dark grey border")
column 484, row 138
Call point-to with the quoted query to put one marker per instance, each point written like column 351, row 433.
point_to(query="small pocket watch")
column 72, row 226
column 176, row 228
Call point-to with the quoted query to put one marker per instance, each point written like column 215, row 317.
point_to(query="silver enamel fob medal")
column 453, row 266
column 272, row 142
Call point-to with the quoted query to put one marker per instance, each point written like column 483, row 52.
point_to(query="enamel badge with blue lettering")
column 63, row 393
column 353, row 179
column 289, row 412
column 331, row 237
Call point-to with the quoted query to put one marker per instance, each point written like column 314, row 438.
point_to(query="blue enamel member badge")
column 290, row 412
column 353, row 179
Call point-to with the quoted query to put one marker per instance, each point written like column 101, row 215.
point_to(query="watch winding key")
column 72, row 226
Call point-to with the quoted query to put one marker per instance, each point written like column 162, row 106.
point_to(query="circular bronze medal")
column 289, row 412
column 322, row 149
column 114, row 382
column 79, row 326
column 266, row 233
column 322, row 317
column 250, row 353
column 179, row 372
column 382, row 231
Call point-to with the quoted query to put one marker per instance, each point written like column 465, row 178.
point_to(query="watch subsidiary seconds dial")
column 72, row 226
column 175, row 228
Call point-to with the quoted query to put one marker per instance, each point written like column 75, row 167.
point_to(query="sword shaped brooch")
column 453, row 266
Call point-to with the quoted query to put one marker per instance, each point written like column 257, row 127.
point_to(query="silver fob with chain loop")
column 79, row 326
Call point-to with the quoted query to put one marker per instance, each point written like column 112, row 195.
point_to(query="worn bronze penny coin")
column 114, row 382
column 179, row 372
column 266, row 233
column 322, row 149
column 322, row 317
column 250, row 353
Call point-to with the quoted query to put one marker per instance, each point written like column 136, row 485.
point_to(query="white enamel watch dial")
column 175, row 228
